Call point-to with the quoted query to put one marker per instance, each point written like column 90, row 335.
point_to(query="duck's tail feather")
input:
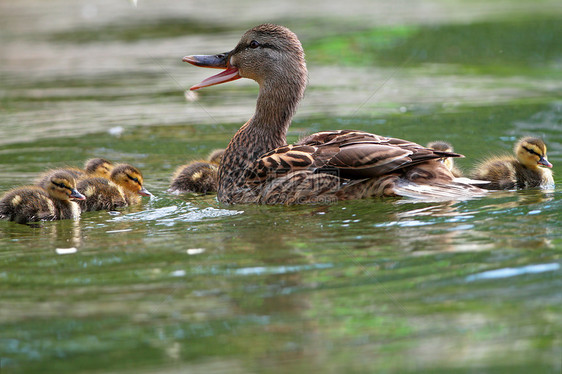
column 474, row 182
column 436, row 192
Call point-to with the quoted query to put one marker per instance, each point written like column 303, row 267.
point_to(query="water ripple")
column 513, row 272
column 170, row 215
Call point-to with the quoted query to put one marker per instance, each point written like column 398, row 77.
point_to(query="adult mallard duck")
column 522, row 171
column 440, row 145
column 258, row 166
column 48, row 202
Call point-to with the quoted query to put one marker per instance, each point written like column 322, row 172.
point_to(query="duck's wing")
column 346, row 153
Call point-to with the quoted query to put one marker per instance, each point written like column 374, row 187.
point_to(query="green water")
column 184, row 284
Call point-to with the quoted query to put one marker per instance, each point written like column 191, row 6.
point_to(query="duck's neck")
column 266, row 130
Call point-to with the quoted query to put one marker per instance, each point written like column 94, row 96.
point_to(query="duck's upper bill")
column 215, row 61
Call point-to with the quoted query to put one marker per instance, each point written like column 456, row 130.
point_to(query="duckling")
column 523, row 171
column 130, row 179
column 51, row 201
column 101, row 194
column 197, row 176
column 98, row 167
column 440, row 145
column 93, row 167
column 216, row 156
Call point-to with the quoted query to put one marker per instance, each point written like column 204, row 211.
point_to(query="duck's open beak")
column 77, row 195
column 543, row 161
column 219, row 61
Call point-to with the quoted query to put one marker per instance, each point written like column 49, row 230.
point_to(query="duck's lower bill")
column 228, row 75
column 217, row 62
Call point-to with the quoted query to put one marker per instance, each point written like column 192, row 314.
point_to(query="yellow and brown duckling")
column 50, row 201
column 197, row 176
column 522, row 171
column 101, row 194
column 258, row 166
column 94, row 167
column 124, row 187
column 98, row 167
column 440, row 145
column 130, row 180
column 215, row 156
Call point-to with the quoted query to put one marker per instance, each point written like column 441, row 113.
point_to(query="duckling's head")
column 130, row 178
column 440, row 145
column 98, row 167
column 62, row 186
column 216, row 156
column 531, row 152
column 266, row 53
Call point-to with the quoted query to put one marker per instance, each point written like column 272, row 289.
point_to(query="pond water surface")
column 185, row 284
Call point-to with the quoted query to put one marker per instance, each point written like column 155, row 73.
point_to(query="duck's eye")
column 254, row 44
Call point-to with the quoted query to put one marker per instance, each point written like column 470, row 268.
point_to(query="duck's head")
column 531, row 152
column 266, row 53
column 440, row 145
column 130, row 178
column 99, row 167
column 62, row 186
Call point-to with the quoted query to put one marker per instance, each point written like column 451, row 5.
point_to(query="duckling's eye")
column 254, row 44
column 60, row 185
column 531, row 151
column 134, row 179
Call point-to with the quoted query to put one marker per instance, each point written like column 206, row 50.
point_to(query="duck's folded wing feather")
column 347, row 153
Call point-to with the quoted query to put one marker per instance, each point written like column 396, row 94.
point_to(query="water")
column 184, row 284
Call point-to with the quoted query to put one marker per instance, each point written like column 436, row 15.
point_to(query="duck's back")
column 28, row 204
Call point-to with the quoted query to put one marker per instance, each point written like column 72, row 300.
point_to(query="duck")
column 258, row 166
column 130, row 180
column 197, row 176
column 525, row 170
column 53, row 200
column 448, row 161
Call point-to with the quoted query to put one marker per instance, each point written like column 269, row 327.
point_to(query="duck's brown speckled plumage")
column 258, row 166
column 48, row 202
column 520, row 172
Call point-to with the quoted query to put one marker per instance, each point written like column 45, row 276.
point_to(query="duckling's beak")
column 77, row 195
column 543, row 161
column 144, row 192
column 219, row 61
